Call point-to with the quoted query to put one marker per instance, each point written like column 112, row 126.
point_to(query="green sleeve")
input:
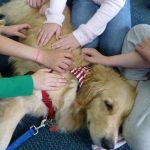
column 16, row 86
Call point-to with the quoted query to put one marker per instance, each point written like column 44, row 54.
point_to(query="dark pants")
column 4, row 66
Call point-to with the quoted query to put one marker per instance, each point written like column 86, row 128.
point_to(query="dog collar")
column 80, row 73
column 48, row 102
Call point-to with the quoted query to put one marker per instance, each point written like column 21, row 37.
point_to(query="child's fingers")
column 86, row 52
column 39, row 34
column 59, row 69
column 68, row 62
column 31, row 3
column 44, row 1
column 71, row 49
column 56, row 76
column 39, row 3
column 63, row 36
column 51, row 88
column 88, row 57
column 54, row 84
column 47, row 38
column 69, row 55
column 138, row 47
column 43, row 38
column 34, row 3
column 63, row 46
column 58, row 32
column 64, row 66
column 45, row 70
column 27, row 1
column 54, row 81
column 19, row 34
column 24, row 26
column 59, row 44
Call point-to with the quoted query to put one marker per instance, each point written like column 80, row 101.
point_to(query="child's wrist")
column 110, row 61
column 1, row 29
column 107, row 61
column 37, row 56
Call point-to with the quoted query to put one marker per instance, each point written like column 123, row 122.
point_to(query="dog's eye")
column 120, row 129
column 108, row 105
column 88, row 123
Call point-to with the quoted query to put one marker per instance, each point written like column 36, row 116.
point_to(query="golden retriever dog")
column 103, row 102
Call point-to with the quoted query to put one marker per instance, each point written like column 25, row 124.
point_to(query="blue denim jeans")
column 110, row 42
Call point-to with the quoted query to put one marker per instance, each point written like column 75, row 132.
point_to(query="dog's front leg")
column 11, row 112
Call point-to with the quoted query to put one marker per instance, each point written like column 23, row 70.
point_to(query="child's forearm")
column 145, row 53
column 129, row 60
column 13, row 48
column 54, row 13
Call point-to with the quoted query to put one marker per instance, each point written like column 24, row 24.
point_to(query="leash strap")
column 27, row 135
column 21, row 139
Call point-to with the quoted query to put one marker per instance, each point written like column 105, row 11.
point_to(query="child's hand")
column 66, row 42
column 93, row 56
column 36, row 3
column 46, row 33
column 58, row 60
column 15, row 30
column 43, row 80
column 42, row 10
column 144, row 49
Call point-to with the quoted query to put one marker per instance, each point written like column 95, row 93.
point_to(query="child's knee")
column 138, row 33
column 142, row 29
column 135, row 36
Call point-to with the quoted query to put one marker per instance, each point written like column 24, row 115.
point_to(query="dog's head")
column 103, row 102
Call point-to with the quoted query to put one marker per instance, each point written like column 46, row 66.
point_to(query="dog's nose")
column 107, row 143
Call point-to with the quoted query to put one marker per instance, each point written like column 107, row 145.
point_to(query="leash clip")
column 36, row 129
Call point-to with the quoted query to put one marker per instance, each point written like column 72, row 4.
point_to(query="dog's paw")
column 67, row 125
column 2, row 20
column 70, row 122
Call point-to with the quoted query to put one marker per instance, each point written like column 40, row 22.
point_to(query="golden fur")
column 103, row 102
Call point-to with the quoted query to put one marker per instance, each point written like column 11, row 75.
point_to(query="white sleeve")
column 86, row 33
column 54, row 13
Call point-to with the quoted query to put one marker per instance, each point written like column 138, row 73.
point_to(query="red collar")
column 48, row 102
column 80, row 74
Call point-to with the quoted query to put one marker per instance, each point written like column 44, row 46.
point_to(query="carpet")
column 80, row 140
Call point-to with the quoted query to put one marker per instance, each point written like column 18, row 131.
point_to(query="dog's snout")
column 107, row 143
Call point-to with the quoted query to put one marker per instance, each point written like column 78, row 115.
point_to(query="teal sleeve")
column 16, row 86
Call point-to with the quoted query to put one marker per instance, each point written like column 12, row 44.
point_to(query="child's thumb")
column 46, row 70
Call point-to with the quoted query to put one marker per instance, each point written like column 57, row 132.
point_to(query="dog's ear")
column 94, row 84
column 90, row 89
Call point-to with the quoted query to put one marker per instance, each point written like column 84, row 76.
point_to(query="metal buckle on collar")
column 36, row 129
